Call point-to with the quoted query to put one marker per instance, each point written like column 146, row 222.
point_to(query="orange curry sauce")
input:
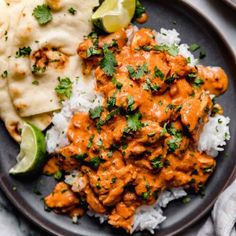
column 142, row 141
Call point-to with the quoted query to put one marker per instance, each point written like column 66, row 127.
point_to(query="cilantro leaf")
column 96, row 112
column 72, row 11
column 158, row 73
column 111, row 102
column 172, row 50
column 150, row 86
column 42, row 14
column 197, row 82
column 92, row 51
column 64, row 87
column 173, row 144
column 139, row 72
column 157, row 162
column 134, row 123
column 95, row 162
column 130, row 103
column 116, row 83
column 23, row 52
column 194, row 47
column 108, row 63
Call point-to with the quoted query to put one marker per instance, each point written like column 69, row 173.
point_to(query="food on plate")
column 146, row 139
column 32, row 154
column 134, row 119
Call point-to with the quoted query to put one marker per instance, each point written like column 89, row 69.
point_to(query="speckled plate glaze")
column 193, row 27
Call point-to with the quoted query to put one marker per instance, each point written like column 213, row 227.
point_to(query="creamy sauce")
column 142, row 141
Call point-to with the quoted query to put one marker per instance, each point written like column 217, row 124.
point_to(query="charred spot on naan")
column 48, row 57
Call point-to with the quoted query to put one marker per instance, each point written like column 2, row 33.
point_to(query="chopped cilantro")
column 150, row 86
column 35, row 82
column 98, row 186
column 140, row 9
column 208, row 169
column 172, row 50
column 58, row 175
column 108, row 118
column 194, row 47
column 197, row 82
column 186, row 199
column 64, row 87
column 94, row 37
column 202, row 54
column 4, row 74
column 90, row 143
column 130, row 103
column 170, row 79
column 157, row 162
column 169, row 107
column 108, row 63
column 95, row 162
column 116, row 83
column 23, row 52
column 158, row 73
column 145, row 195
column 42, row 14
column 92, row 51
column 173, row 144
column 96, row 112
column 72, row 11
column 188, row 60
column 174, row 132
column 139, row 72
column 114, row 179
column 111, row 102
column 38, row 70
column 134, row 123
column 80, row 157
column 164, row 130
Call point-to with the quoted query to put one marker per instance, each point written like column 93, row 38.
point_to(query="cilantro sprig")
column 108, row 63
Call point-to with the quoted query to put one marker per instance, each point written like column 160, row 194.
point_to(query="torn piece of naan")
column 8, row 114
column 32, row 79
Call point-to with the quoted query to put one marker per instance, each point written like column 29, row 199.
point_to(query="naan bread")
column 20, row 99
column 57, row 42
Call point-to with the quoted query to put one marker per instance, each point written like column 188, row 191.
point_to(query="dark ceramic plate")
column 193, row 27
column 231, row 3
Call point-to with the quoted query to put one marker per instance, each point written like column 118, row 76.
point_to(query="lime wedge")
column 113, row 15
column 32, row 151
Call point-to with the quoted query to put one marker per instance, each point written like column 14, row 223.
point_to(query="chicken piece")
column 93, row 202
column 215, row 79
column 195, row 110
column 61, row 198
column 122, row 216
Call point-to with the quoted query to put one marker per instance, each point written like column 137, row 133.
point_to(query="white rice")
column 170, row 38
column 214, row 135
column 84, row 97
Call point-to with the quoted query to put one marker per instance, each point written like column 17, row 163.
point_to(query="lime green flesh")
column 114, row 15
column 32, row 151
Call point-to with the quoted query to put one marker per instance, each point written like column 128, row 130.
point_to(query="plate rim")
column 230, row 4
column 53, row 229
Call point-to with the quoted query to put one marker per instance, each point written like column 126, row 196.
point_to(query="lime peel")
column 32, row 151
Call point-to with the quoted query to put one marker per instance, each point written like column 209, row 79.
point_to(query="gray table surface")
column 12, row 223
